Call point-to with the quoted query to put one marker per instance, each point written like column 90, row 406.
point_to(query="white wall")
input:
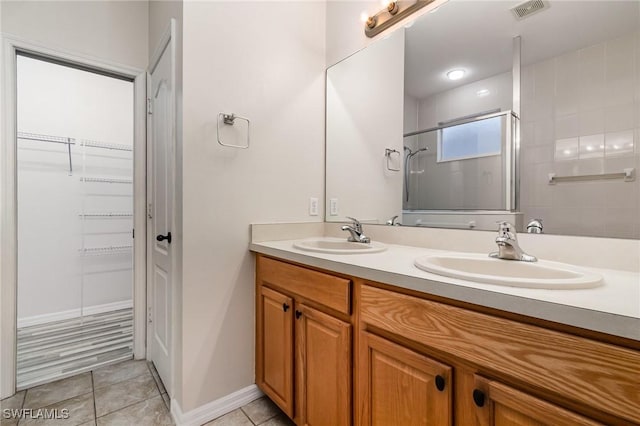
column 365, row 117
column 585, row 98
column 53, row 277
column 115, row 31
column 265, row 61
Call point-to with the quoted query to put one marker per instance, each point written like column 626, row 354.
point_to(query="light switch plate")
column 313, row 206
column 333, row 207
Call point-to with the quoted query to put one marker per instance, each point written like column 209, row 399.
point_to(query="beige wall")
column 265, row 61
column 114, row 31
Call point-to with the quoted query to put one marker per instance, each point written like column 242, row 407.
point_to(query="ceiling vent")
column 529, row 8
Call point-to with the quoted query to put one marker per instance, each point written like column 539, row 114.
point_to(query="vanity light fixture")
column 456, row 74
column 393, row 12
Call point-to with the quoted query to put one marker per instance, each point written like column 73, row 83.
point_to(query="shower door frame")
column 11, row 47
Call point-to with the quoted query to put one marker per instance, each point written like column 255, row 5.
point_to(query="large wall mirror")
column 472, row 114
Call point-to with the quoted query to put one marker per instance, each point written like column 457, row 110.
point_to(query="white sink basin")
column 338, row 246
column 484, row 269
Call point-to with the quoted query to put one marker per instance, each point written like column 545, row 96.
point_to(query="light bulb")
column 455, row 74
column 364, row 16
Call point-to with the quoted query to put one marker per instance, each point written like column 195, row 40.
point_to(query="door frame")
column 11, row 46
column 167, row 41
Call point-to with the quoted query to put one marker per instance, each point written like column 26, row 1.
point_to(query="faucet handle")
column 356, row 223
column 506, row 229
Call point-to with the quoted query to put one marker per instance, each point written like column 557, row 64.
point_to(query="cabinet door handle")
column 440, row 383
column 478, row 397
column 285, row 307
column 298, row 314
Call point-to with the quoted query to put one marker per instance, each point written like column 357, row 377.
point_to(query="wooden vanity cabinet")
column 505, row 372
column 402, row 387
column 500, row 405
column 425, row 362
column 303, row 342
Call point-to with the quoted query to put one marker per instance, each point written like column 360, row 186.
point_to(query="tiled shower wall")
column 581, row 115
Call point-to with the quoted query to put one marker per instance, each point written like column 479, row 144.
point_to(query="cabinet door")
column 400, row 387
column 274, row 348
column 501, row 405
column 323, row 357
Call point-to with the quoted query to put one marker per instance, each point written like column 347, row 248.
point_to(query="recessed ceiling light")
column 455, row 74
column 589, row 148
column 482, row 92
column 616, row 147
column 566, row 152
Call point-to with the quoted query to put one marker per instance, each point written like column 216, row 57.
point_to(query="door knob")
column 164, row 237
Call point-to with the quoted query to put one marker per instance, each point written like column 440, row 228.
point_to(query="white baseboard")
column 219, row 407
column 73, row 313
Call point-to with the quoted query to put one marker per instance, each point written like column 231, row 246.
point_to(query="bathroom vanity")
column 336, row 347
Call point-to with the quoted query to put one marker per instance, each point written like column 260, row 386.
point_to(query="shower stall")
column 75, row 220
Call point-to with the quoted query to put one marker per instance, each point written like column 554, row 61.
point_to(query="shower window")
column 476, row 139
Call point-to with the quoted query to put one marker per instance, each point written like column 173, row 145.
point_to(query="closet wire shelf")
column 97, row 251
column 105, row 180
column 106, row 214
column 65, row 140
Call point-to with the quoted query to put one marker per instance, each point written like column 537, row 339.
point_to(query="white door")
column 161, row 153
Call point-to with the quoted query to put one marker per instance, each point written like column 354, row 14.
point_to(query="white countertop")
column 613, row 308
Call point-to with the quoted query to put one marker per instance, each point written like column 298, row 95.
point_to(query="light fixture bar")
column 389, row 16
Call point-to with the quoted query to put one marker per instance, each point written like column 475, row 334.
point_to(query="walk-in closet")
column 75, row 220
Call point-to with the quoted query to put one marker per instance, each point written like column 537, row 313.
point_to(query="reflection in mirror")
column 581, row 118
column 573, row 82
column 364, row 133
column 459, row 120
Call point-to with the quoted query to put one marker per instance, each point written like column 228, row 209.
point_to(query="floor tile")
column 80, row 411
column 280, row 420
column 261, row 410
column 234, row 418
column 122, row 394
column 119, row 373
column 57, row 391
column 151, row 412
column 12, row 403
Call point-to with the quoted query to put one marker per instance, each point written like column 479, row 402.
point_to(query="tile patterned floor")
column 127, row 393
column 123, row 394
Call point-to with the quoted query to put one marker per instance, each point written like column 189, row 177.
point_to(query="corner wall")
column 264, row 61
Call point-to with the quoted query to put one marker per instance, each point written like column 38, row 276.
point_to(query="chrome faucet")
column 508, row 247
column 355, row 229
column 393, row 221
column 535, row 226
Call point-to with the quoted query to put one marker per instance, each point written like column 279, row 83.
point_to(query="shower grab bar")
column 388, row 152
column 469, row 225
column 229, row 120
column 628, row 175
